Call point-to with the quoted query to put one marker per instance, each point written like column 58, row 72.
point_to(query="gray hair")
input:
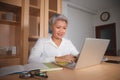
column 55, row 18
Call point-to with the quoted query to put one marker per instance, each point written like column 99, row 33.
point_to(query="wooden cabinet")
column 22, row 22
column 10, row 34
column 36, row 21
column 51, row 7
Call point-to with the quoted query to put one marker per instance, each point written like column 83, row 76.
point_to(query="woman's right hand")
column 66, row 58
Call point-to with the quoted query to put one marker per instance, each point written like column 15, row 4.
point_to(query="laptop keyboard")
column 71, row 65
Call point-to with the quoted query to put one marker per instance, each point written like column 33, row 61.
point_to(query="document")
column 50, row 67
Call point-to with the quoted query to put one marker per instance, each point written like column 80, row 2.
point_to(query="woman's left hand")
column 66, row 58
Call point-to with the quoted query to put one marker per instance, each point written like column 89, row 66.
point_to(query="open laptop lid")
column 92, row 52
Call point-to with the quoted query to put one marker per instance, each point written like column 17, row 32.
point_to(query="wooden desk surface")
column 103, row 71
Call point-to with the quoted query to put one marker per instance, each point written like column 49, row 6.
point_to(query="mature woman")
column 56, row 48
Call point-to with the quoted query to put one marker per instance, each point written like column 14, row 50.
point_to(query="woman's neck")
column 57, row 41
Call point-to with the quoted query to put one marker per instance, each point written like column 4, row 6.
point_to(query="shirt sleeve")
column 36, row 54
column 73, row 49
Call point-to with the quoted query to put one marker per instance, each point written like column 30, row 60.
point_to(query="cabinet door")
column 51, row 8
column 36, row 21
column 22, row 22
column 10, row 34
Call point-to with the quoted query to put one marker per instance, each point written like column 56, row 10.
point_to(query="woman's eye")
column 58, row 27
column 64, row 28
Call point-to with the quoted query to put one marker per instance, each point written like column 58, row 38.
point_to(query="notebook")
column 91, row 54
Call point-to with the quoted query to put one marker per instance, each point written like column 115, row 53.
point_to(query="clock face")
column 105, row 16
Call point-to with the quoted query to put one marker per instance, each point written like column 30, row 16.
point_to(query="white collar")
column 52, row 42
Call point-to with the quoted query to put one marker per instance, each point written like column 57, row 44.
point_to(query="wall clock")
column 105, row 16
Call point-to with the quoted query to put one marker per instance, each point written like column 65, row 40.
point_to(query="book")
column 43, row 67
column 50, row 67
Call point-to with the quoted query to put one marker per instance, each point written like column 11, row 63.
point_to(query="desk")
column 103, row 71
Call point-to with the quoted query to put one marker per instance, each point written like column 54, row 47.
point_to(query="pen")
column 42, row 74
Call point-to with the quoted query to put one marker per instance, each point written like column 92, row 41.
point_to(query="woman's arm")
column 37, row 53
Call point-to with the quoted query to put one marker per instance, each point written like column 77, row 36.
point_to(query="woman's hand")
column 66, row 58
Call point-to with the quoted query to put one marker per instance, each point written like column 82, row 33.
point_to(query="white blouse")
column 45, row 50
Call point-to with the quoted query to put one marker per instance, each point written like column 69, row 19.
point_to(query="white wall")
column 80, row 24
column 114, row 18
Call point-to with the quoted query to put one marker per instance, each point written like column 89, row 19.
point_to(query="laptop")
column 91, row 54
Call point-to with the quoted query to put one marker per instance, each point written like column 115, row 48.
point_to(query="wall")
column 114, row 18
column 80, row 23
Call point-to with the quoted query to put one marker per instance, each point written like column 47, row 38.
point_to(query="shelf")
column 9, row 14
column 33, row 38
column 37, row 7
column 6, row 56
column 51, row 14
column 52, row 11
column 9, row 8
column 35, row 3
column 13, row 2
column 9, row 61
column 8, row 22
column 35, row 11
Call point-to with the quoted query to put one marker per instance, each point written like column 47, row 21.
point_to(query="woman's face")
column 59, row 29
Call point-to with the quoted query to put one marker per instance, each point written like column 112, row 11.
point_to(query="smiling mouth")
column 60, row 35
